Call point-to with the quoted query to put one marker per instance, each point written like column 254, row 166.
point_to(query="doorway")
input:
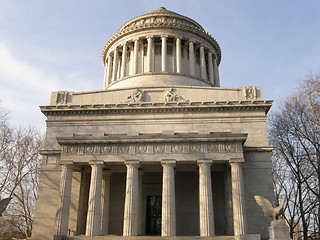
column 153, row 218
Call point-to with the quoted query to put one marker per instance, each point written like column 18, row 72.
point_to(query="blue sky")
column 47, row 46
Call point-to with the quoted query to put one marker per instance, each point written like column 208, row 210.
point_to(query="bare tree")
column 295, row 134
column 19, row 170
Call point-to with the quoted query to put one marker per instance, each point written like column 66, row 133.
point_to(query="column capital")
column 133, row 162
column 164, row 36
column 191, row 40
column 236, row 160
column 124, row 43
column 168, row 161
column 67, row 163
column 178, row 37
column 136, row 39
column 96, row 162
column 149, row 37
column 205, row 161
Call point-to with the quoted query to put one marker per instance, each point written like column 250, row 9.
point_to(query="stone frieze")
column 151, row 148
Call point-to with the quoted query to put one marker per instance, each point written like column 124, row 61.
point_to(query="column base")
column 248, row 237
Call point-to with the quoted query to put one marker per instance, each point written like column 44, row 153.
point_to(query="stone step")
column 113, row 237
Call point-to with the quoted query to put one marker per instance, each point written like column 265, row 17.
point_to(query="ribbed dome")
column 161, row 48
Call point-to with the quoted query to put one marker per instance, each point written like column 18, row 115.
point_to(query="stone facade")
column 163, row 149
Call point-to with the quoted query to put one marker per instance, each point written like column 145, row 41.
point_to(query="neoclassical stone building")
column 162, row 149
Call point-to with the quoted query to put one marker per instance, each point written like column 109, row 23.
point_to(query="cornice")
column 149, row 107
column 155, row 138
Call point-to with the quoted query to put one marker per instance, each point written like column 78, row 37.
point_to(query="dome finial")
column 160, row 9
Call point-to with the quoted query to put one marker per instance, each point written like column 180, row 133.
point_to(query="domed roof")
column 164, row 19
column 162, row 11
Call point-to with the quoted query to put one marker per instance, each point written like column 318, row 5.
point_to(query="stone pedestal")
column 279, row 231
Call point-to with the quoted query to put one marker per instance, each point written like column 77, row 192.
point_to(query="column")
column 83, row 202
column 178, row 54
column 105, row 200
column 140, row 212
column 216, row 73
column 115, row 65
column 135, row 56
column 168, row 225
column 105, row 82
column 149, row 53
column 205, row 199
column 164, row 54
column 131, row 65
column 93, row 227
column 142, row 58
column 131, row 205
column 62, row 216
column 124, row 60
column 203, row 64
column 108, row 71
column 239, row 216
column 210, row 66
column 191, row 58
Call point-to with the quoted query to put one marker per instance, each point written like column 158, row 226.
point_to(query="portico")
column 149, row 158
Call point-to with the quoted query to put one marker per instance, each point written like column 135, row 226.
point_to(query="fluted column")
column 131, row 205
column 203, row 64
column 83, row 202
column 93, row 227
column 115, row 65
column 216, row 73
column 178, row 54
column 239, row 215
column 191, row 58
column 210, row 66
column 168, row 226
column 105, row 200
column 62, row 215
column 142, row 58
column 164, row 54
column 124, row 60
column 108, row 71
column 105, row 80
column 149, row 53
column 205, row 199
column 140, row 203
column 136, row 56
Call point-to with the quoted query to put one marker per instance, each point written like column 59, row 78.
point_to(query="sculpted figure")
column 268, row 209
column 171, row 96
column 137, row 96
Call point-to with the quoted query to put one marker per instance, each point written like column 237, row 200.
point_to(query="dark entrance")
column 153, row 226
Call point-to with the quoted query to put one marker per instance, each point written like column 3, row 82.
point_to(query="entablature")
column 152, row 107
